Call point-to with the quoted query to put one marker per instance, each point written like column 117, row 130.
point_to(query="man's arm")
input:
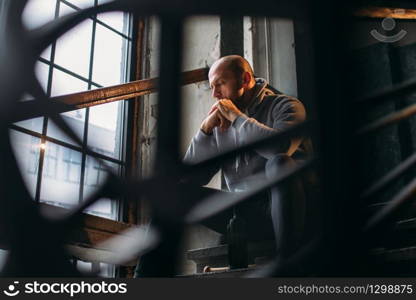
column 201, row 147
column 204, row 144
column 288, row 112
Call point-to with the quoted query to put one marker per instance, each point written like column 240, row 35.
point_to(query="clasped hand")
column 221, row 115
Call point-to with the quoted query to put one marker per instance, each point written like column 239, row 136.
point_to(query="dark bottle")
column 237, row 242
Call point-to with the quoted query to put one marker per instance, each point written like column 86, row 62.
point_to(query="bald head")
column 231, row 77
column 235, row 63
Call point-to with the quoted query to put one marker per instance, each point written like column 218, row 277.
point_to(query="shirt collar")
column 260, row 89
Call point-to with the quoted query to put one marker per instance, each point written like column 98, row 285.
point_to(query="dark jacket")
column 268, row 113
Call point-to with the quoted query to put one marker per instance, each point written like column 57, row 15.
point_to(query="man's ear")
column 246, row 79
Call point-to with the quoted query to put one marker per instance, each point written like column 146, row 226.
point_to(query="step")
column 235, row 273
column 395, row 262
column 396, row 255
column 217, row 256
column 401, row 235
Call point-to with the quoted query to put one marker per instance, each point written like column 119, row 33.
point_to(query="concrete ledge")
column 218, row 256
column 236, row 273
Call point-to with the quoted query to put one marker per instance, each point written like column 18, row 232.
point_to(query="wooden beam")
column 386, row 12
column 33, row 109
column 125, row 91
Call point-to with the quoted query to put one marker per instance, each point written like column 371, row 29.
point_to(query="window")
column 95, row 172
column 72, row 165
column 34, row 155
column 92, row 55
column 51, row 161
column 276, row 60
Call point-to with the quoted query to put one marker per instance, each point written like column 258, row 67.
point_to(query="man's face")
column 224, row 84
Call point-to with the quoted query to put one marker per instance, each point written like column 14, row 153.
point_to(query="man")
column 246, row 109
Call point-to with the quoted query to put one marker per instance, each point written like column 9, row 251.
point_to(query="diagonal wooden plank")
column 126, row 90
column 386, row 12
column 60, row 104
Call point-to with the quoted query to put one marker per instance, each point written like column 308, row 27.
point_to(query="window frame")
column 128, row 42
column 130, row 213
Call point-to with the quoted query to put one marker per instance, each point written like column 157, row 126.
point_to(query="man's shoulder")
column 281, row 100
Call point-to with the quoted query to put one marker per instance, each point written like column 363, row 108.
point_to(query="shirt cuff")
column 202, row 135
column 239, row 121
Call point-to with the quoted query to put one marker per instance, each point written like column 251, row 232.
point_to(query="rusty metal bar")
column 297, row 130
column 219, row 202
column 389, row 178
column 388, row 120
column 282, row 9
column 32, row 109
column 403, row 197
column 388, row 94
column 169, row 104
column 386, row 12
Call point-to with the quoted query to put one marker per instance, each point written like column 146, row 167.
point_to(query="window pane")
column 82, row 3
column 61, row 176
column 65, row 9
column 104, row 128
column 109, row 62
column 83, row 266
column 73, row 49
column 50, row 163
column 75, row 120
column 106, row 270
column 26, row 149
column 3, row 257
column 38, row 12
column 32, row 124
column 63, row 83
column 115, row 19
column 95, row 175
column 42, row 73
column 46, row 54
column 104, row 208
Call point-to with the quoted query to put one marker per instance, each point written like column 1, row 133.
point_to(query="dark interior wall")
column 232, row 42
column 377, row 66
column 403, row 61
column 305, row 68
column 232, row 35
column 2, row 8
column 382, row 151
